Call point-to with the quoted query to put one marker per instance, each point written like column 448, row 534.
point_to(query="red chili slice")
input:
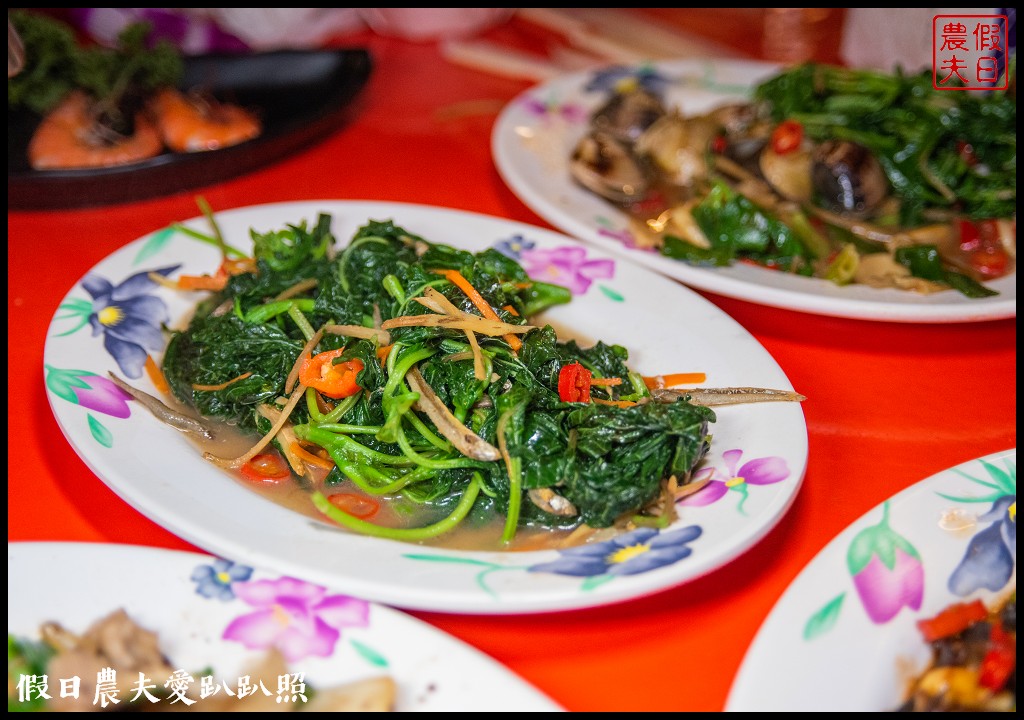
column 787, row 137
column 574, row 383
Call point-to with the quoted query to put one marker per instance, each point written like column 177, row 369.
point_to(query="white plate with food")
column 232, row 637
column 852, row 631
column 439, row 527
column 537, row 135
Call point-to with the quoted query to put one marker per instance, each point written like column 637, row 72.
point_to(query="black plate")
column 301, row 96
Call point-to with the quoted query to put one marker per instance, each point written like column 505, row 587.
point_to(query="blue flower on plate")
column 128, row 317
column 624, row 77
column 214, row 581
column 635, row 552
column 991, row 554
column 514, row 246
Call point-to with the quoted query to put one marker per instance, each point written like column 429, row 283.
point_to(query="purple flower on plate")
column 89, row 390
column 128, row 317
column 514, row 246
column 736, row 478
column 214, row 581
column 886, row 570
column 635, row 552
column 551, row 108
column 298, row 618
column 567, row 266
column 623, row 236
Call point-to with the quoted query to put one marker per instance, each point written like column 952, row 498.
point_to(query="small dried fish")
column 465, row 440
column 550, row 501
column 175, row 419
column 715, row 397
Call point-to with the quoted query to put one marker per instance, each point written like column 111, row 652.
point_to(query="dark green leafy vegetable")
column 219, row 348
column 923, row 261
column 823, row 167
column 736, row 228
column 608, row 460
column 919, row 134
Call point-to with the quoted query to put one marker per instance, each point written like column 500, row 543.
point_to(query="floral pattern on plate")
column 637, row 551
column 948, row 538
column 129, row 316
column 888, row 572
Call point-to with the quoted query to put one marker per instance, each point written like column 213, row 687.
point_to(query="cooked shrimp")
column 189, row 123
column 71, row 136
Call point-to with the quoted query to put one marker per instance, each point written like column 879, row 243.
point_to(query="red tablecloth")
column 888, row 404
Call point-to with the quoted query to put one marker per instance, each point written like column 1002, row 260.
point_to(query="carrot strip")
column 459, row 280
column 202, row 282
column 606, row 381
column 511, row 310
column 221, row 386
column 237, row 266
column 616, row 403
column 310, row 457
column 659, row 382
column 382, row 353
column 156, row 375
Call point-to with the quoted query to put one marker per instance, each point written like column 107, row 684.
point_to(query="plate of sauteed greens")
column 916, row 600
column 830, row 190
column 425, row 407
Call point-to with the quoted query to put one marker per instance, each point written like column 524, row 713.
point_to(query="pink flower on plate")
column 623, row 236
column 298, row 618
column 551, row 107
column 89, row 390
column 566, row 266
column 736, row 477
column 887, row 570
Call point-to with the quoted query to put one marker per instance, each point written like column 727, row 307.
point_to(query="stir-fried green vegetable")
column 853, row 176
column 939, row 149
column 456, row 413
column 736, row 227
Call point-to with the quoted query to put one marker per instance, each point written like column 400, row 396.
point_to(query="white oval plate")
column 842, row 638
column 190, row 600
column 533, row 139
column 666, row 327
